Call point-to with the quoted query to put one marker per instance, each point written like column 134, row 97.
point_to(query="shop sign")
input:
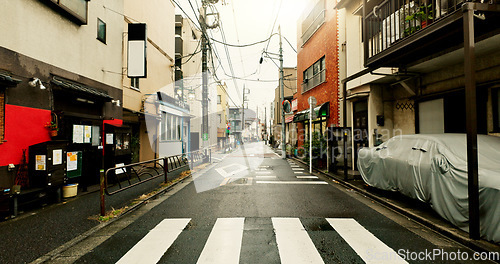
column 294, row 104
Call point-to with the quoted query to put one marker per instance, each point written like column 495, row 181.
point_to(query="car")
column 433, row 169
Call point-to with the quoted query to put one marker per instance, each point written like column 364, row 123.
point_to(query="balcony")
column 398, row 33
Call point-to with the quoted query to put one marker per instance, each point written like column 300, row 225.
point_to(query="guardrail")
column 121, row 178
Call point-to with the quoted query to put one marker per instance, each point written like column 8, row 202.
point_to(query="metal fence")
column 121, row 178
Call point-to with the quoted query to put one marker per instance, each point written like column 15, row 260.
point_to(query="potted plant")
column 52, row 127
column 419, row 19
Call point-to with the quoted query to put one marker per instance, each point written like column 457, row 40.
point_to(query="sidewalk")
column 414, row 209
column 35, row 233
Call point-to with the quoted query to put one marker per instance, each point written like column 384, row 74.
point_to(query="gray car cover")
column 433, row 169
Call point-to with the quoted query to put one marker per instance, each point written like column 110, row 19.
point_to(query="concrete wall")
column 34, row 29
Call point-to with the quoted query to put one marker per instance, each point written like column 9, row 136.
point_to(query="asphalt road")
column 254, row 207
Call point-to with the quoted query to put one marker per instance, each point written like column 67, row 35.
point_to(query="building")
column 154, row 112
column 363, row 92
column 222, row 116
column 411, row 78
column 236, row 128
column 60, row 79
column 317, row 69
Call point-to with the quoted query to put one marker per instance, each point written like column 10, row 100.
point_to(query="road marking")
column 151, row 248
column 239, row 168
column 224, row 243
column 294, row 244
column 265, row 176
column 364, row 243
column 298, row 172
column 293, row 182
column 298, row 169
column 264, row 172
column 306, row 177
column 225, row 181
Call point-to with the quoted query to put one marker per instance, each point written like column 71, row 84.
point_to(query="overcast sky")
column 245, row 22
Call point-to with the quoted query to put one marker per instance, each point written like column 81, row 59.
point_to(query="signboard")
column 205, row 137
column 136, row 53
column 289, row 119
column 294, row 105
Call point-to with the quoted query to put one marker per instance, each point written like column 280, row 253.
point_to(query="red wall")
column 24, row 126
column 323, row 43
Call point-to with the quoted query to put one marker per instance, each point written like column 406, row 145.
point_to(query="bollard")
column 103, row 204
column 165, row 169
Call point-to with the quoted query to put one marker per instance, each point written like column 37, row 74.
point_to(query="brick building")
column 317, row 68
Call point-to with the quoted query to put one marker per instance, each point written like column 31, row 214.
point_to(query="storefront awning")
column 81, row 88
column 322, row 110
column 7, row 80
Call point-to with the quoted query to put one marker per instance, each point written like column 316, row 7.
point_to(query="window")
column 134, row 82
column 313, row 21
column 101, row 31
column 2, row 115
column 219, row 99
column 163, row 126
column 314, row 75
column 220, row 118
column 170, row 127
column 76, row 9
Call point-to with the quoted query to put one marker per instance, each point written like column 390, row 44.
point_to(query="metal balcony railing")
column 316, row 80
column 393, row 20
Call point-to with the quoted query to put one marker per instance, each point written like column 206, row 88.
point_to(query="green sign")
column 205, row 137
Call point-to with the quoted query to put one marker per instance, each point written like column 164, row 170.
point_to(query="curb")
column 477, row 245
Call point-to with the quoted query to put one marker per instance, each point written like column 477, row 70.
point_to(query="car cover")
column 433, row 169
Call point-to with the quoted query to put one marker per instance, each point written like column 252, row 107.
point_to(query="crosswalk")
column 226, row 239
column 264, row 175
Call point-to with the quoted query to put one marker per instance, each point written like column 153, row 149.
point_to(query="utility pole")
column 243, row 114
column 204, row 70
column 282, row 88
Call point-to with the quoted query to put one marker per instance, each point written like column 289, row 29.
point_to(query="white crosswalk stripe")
column 150, row 248
column 362, row 241
column 224, row 243
column 294, row 244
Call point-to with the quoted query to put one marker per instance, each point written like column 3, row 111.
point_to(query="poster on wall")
column 87, row 134
column 109, row 139
column 77, row 134
column 57, row 157
column 40, row 162
column 72, row 161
